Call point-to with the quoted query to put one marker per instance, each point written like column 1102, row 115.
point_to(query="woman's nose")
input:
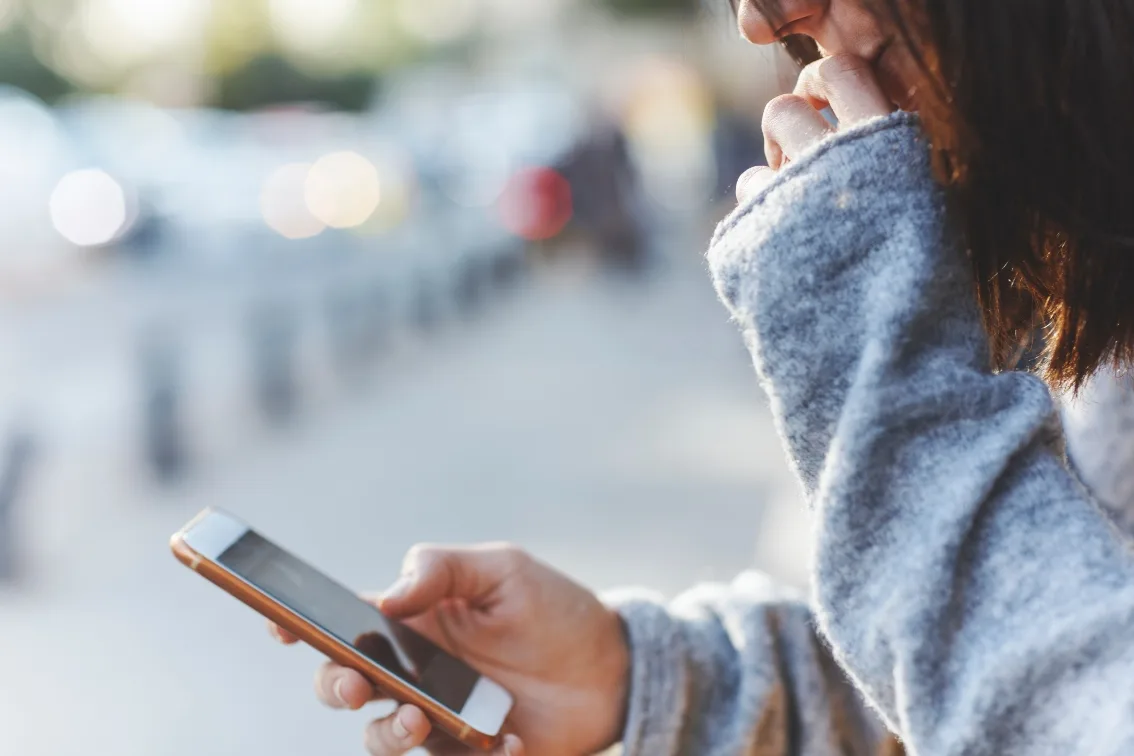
column 763, row 22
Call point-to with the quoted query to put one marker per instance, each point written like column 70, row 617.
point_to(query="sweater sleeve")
column 738, row 669
column 964, row 578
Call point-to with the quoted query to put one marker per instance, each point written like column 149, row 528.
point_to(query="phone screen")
column 319, row 599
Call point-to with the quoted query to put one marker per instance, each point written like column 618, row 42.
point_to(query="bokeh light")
column 89, row 208
column 8, row 13
column 536, row 205
column 283, row 204
column 127, row 31
column 669, row 120
column 310, row 25
column 399, row 191
column 437, row 21
column 342, row 189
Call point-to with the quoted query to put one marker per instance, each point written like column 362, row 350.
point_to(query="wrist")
column 618, row 665
column 657, row 684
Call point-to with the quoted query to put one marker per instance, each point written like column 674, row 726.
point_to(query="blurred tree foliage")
column 241, row 56
column 20, row 67
column 271, row 79
column 653, row 7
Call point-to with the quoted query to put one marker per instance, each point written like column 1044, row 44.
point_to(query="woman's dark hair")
column 1029, row 110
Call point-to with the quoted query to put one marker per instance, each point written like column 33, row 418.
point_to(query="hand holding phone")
column 552, row 657
column 469, row 706
column 549, row 641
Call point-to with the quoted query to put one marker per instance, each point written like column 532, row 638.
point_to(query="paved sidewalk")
column 615, row 430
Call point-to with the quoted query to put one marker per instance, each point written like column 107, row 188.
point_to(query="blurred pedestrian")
column 13, row 477
column 605, row 197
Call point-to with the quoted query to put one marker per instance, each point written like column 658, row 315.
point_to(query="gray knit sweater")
column 970, row 595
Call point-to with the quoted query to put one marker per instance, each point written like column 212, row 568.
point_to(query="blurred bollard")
column 16, row 461
column 425, row 307
column 164, row 434
column 147, row 236
column 339, row 309
column 357, row 325
column 471, row 281
column 509, row 265
column 376, row 319
column 273, row 333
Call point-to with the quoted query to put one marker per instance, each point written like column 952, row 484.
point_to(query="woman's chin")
column 897, row 87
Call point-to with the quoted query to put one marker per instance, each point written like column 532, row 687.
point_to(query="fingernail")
column 511, row 745
column 401, row 732
column 337, row 689
column 400, row 587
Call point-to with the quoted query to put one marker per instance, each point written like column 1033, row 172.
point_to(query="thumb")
column 432, row 574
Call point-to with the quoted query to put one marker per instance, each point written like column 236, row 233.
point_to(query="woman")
column 971, row 597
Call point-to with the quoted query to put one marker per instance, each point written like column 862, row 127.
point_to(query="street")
column 614, row 428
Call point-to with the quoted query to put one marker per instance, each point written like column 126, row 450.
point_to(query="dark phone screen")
column 314, row 596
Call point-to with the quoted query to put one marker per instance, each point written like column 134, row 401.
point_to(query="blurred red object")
column 536, row 204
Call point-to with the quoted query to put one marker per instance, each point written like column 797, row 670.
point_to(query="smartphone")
column 402, row 663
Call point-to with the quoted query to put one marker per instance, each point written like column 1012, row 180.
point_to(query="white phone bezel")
column 487, row 707
column 213, row 534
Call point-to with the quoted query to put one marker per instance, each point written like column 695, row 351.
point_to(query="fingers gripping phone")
column 405, row 665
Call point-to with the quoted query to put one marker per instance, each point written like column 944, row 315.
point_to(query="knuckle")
column 321, row 683
column 749, row 174
column 781, row 105
column 511, row 555
column 780, row 108
column 751, row 180
column 810, row 72
column 375, row 741
column 326, row 677
column 380, row 739
column 840, row 66
column 421, row 555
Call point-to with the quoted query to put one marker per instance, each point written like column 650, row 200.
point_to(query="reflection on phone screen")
column 324, row 602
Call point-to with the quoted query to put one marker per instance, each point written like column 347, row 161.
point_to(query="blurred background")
column 366, row 273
